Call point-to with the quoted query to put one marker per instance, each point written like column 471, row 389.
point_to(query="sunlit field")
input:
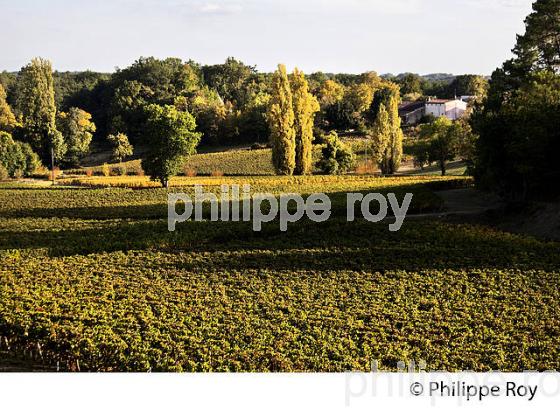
column 92, row 280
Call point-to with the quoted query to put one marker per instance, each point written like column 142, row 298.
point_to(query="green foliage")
column 443, row 141
column 233, row 81
column 538, row 47
column 410, row 83
column 37, row 106
column 75, row 89
column 170, row 135
column 281, row 122
column 211, row 115
column 520, row 121
column 121, row 147
column 147, row 81
column 84, row 285
column 17, row 158
column 473, row 85
column 305, row 107
column 349, row 112
column 253, row 125
column 381, row 135
column 7, row 118
column 77, row 129
column 337, row 158
column 387, row 132
column 3, row 173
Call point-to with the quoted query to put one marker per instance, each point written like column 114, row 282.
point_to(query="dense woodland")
column 164, row 109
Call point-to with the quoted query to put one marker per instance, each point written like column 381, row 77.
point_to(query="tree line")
column 168, row 107
column 172, row 106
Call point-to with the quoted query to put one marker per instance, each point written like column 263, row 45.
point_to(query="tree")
column 7, row 118
column 388, row 97
column 77, row 129
column 381, row 135
column 443, row 141
column 281, row 122
column 121, row 147
column 146, row 81
column 16, row 157
column 539, row 47
column 329, row 93
column 231, row 80
column 35, row 102
column 253, row 125
column 472, row 85
column 519, row 123
column 336, row 157
column 209, row 111
column 410, row 83
column 305, row 107
column 170, row 136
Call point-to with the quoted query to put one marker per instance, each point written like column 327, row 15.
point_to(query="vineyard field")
column 91, row 280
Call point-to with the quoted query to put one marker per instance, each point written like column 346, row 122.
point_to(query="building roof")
column 438, row 101
column 409, row 106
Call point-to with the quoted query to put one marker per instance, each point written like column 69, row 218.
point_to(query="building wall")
column 452, row 109
column 437, row 110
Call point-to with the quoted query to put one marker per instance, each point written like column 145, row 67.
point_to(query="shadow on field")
column 128, row 204
column 332, row 245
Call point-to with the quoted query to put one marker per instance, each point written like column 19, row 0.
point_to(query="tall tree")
column 171, row 138
column 305, row 107
column 35, row 102
column 539, row 47
column 388, row 97
column 7, row 118
column 281, row 121
column 519, row 124
column 380, row 135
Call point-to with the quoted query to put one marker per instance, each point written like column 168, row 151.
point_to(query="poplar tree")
column 36, row 104
column 387, row 133
column 305, row 106
column 281, row 122
column 395, row 148
column 381, row 135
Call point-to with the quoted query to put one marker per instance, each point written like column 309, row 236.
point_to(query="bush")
column 3, row 173
column 17, row 158
column 336, row 156
column 190, row 171
column 41, row 172
column 105, row 170
column 119, row 170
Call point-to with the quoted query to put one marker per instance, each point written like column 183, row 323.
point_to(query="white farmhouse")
column 452, row 109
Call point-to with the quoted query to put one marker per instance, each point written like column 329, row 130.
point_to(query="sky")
column 351, row 36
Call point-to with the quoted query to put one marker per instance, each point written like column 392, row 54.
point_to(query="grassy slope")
column 124, row 294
